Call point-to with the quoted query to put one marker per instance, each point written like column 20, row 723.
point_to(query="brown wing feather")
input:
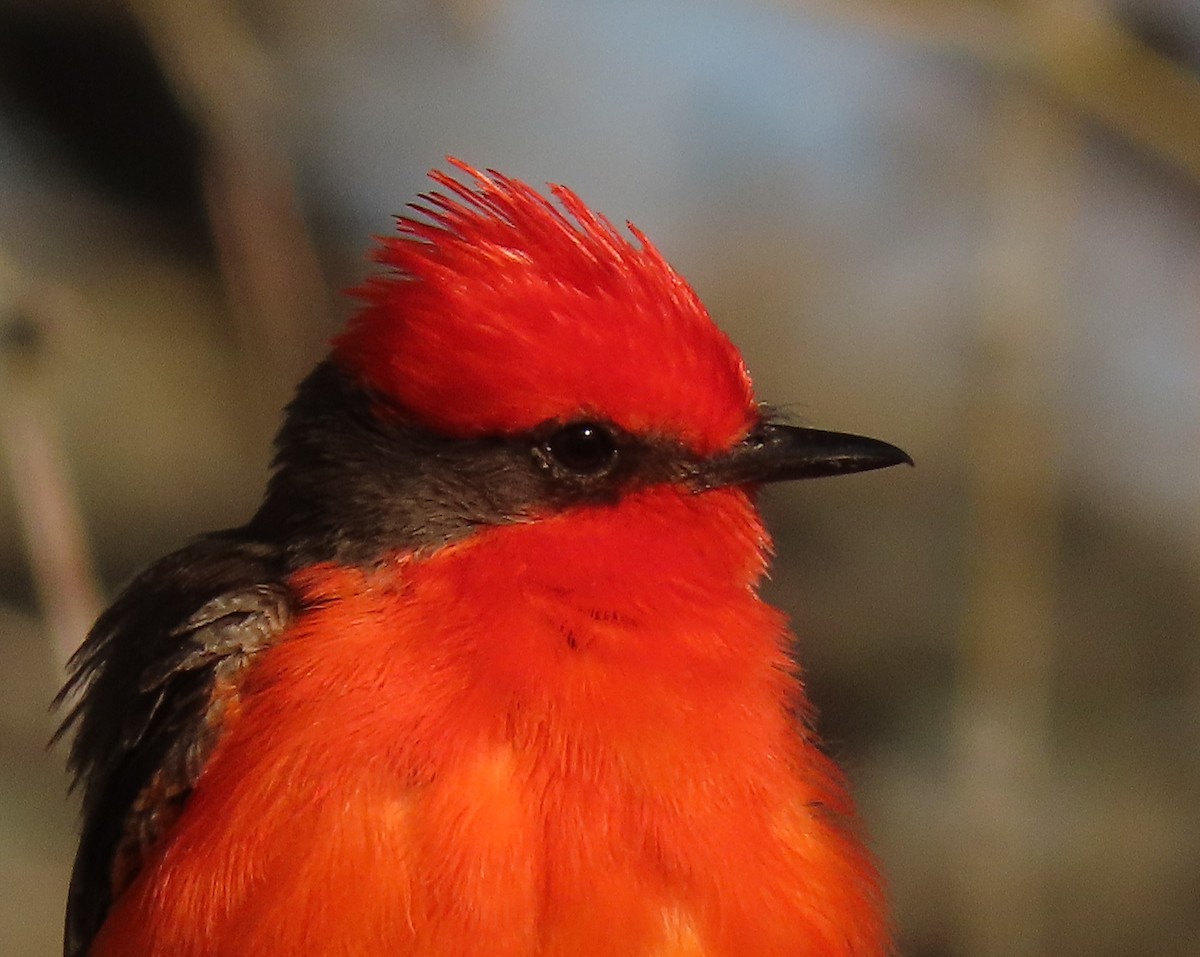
column 153, row 685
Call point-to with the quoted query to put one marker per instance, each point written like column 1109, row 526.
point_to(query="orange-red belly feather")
column 590, row 748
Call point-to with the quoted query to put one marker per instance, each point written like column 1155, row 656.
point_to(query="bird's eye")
column 584, row 448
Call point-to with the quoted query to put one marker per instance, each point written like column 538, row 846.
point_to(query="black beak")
column 780, row 453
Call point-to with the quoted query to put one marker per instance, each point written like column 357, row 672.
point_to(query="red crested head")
column 504, row 312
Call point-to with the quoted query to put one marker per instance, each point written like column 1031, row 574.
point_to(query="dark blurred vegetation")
column 968, row 226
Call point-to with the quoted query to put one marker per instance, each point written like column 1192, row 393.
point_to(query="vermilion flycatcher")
column 488, row 672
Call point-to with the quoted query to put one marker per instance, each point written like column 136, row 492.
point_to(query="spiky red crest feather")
column 504, row 311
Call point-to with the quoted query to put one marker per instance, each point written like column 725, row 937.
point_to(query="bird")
column 488, row 671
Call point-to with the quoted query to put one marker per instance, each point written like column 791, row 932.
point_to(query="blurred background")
column 971, row 227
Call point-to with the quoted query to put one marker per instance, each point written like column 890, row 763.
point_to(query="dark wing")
column 149, row 687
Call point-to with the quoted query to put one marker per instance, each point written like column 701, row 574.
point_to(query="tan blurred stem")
column 1194, row 538
column 224, row 79
column 1073, row 50
column 47, row 506
column 1003, row 688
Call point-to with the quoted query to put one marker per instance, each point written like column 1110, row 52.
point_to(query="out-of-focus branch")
column 47, row 508
column 1003, row 691
column 224, row 78
column 1075, row 50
